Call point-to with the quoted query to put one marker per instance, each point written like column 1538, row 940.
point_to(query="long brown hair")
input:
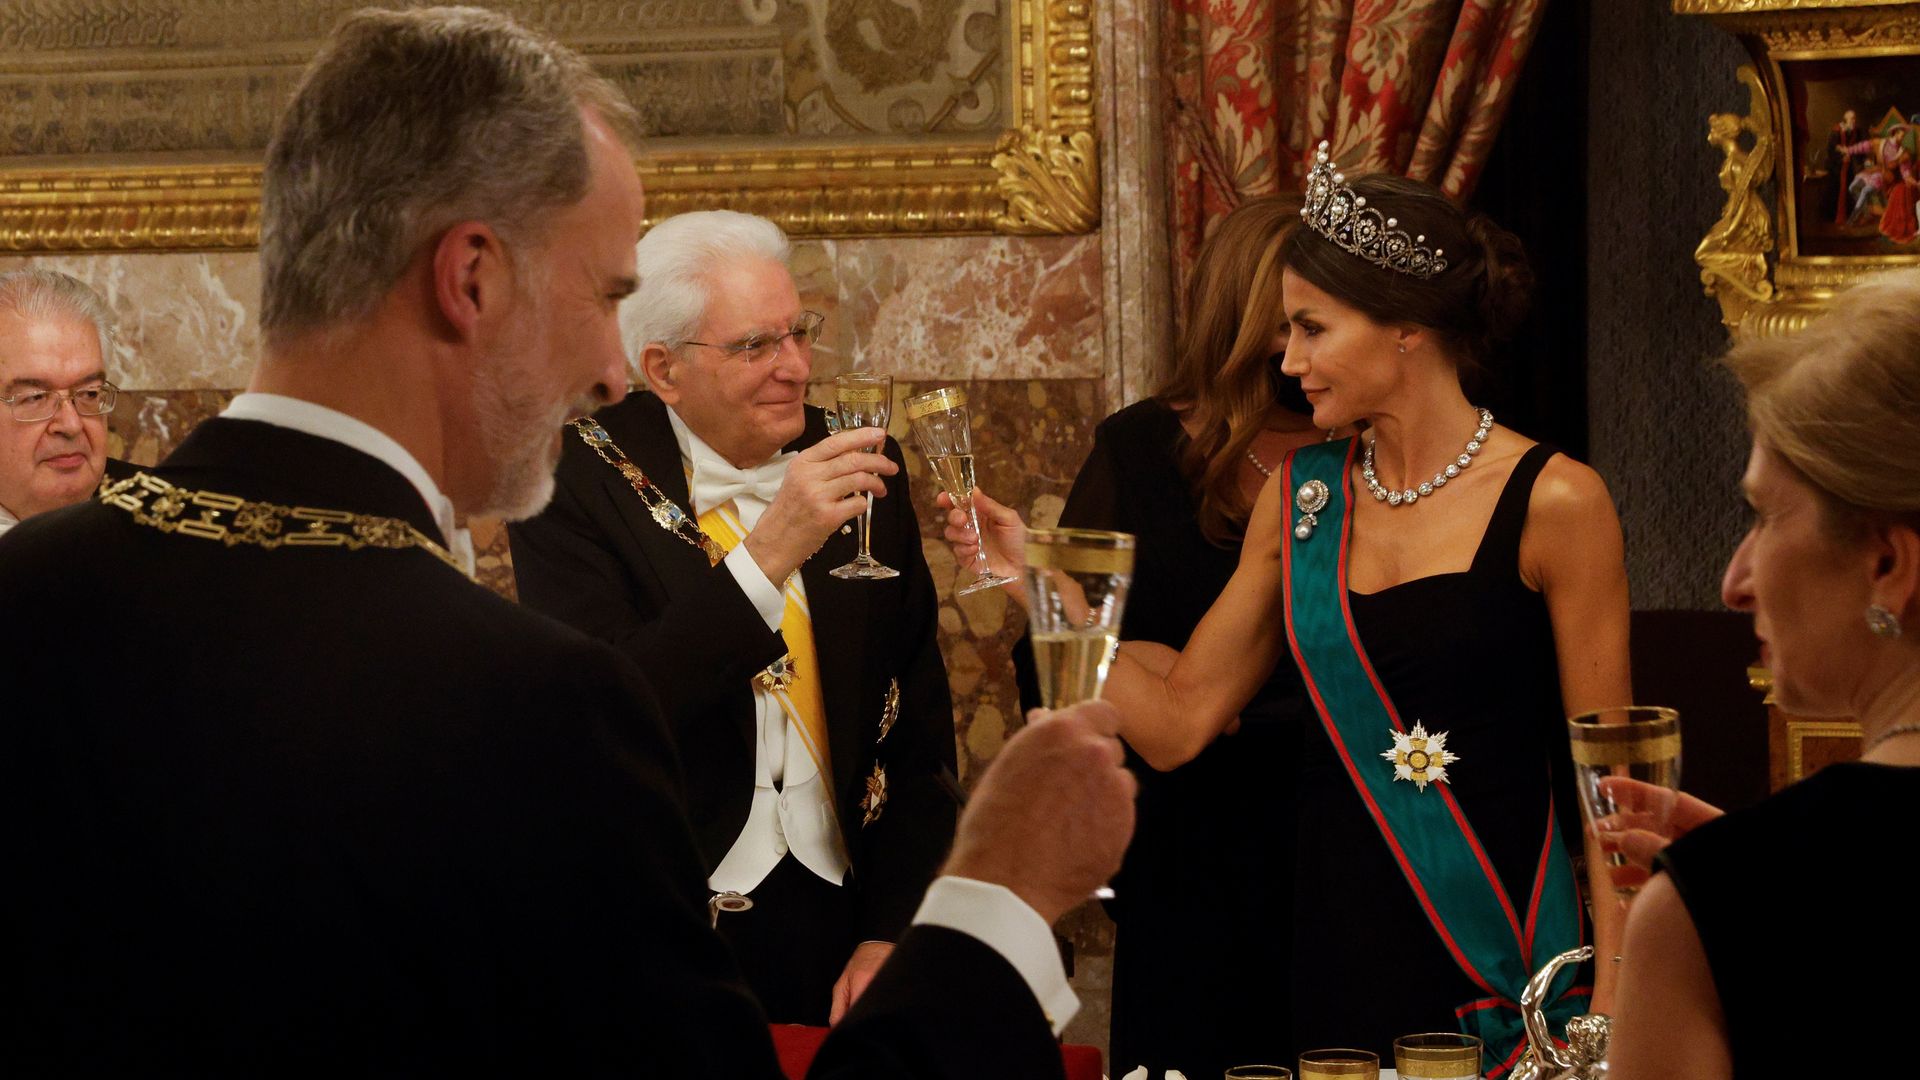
column 1220, row 369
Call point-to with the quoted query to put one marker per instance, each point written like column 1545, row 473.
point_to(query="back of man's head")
column 405, row 124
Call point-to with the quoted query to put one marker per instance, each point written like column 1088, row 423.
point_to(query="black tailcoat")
column 327, row 811
column 597, row 561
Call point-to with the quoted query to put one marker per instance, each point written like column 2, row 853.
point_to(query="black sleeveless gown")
column 1471, row 654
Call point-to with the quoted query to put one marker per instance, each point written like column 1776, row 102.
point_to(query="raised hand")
column 826, row 485
column 1053, row 814
column 1006, row 536
column 1630, row 832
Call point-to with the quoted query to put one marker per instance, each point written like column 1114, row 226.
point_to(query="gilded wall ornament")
column 1822, row 173
column 832, row 117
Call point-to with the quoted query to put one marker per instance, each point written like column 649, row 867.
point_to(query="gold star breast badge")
column 1420, row 757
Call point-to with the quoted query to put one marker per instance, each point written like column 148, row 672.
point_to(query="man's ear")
column 472, row 277
column 660, row 367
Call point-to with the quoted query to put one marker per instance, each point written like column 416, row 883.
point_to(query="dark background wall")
column 1664, row 424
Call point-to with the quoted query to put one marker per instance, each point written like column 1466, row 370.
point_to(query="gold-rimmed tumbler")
column 942, row 429
column 1437, row 1055
column 1077, row 583
column 1339, row 1064
column 863, row 399
column 1259, row 1072
column 1632, row 742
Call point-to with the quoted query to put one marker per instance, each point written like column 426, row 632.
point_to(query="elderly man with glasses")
column 55, row 334
column 694, row 529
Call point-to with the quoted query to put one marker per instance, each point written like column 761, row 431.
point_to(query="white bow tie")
column 715, row 483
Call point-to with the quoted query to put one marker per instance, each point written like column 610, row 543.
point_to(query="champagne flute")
column 1637, row 742
column 940, row 427
column 1077, row 586
column 864, row 399
column 1077, row 581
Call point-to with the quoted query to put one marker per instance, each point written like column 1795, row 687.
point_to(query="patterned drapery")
column 1416, row 87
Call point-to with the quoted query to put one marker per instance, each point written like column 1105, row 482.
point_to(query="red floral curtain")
column 1416, row 87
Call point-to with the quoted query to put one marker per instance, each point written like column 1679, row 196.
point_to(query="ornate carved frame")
column 1040, row 175
column 1768, row 287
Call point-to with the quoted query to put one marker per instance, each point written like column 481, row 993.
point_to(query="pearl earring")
column 1882, row 622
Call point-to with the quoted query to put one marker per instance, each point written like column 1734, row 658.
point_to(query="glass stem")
column 980, row 550
column 866, row 530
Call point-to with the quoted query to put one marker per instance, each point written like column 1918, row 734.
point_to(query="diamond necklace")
column 1411, row 495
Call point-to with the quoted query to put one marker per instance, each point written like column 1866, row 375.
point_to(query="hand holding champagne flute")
column 1630, row 743
column 941, row 427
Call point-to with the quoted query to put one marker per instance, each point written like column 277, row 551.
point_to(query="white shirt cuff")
column 761, row 593
column 994, row 916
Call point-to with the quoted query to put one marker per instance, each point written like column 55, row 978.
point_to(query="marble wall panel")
column 187, row 322
column 969, row 307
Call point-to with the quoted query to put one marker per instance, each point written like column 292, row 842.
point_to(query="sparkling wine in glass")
column 941, row 428
column 864, row 399
column 1636, row 743
column 1077, row 586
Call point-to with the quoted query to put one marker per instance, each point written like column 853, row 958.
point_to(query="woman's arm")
column 1572, row 551
column 1669, row 1021
column 1169, row 718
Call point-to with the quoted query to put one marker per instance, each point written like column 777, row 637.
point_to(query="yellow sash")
column 800, row 699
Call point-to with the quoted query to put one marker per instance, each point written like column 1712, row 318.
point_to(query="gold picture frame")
column 1039, row 174
column 1774, row 263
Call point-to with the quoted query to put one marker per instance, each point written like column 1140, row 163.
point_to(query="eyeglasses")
column 761, row 347
column 33, row 406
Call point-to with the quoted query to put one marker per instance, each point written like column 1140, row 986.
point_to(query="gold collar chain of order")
column 667, row 514
column 209, row 515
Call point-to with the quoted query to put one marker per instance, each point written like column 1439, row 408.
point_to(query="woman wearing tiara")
column 1450, row 591
column 1181, row 470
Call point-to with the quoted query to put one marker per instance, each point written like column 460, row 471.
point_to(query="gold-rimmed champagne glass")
column 1636, row 742
column 945, row 437
column 864, row 399
column 1077, row 583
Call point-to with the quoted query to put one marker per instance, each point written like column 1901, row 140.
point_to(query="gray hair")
column 673, row 262
column 405, row 124
column 45, row 294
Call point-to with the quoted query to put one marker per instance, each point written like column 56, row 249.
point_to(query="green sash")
column 1427, row 831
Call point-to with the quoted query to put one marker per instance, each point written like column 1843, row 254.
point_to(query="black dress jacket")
column 323, row 810
column 597, row 561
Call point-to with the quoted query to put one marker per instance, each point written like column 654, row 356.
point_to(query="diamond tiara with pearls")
column 1334, row 211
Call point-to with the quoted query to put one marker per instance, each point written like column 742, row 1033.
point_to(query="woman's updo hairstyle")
column 1477, row 301
column 1839, row 401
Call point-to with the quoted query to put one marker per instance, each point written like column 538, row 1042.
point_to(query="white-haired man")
column 55, row 336
column 351, row 812
column 815, row 791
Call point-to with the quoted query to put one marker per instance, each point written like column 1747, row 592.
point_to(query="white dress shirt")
column 311, row 419
column 792, row 805
column 991, row 914
column 7, row 520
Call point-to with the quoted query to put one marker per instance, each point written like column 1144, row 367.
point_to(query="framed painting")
column 1822, row 173
column 140, row 125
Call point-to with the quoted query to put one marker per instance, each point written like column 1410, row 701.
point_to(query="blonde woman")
column 1765, row 944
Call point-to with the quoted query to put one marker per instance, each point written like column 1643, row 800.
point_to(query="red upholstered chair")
column 797, row 1044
